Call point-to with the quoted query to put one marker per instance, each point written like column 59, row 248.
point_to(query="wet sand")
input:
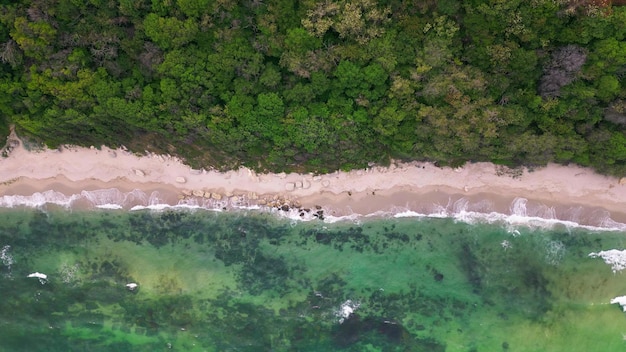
column 567, row 192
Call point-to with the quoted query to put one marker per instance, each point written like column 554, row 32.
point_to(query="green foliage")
column 608, row 87
column 4, row 130
column 286, row 85
column 194, row 8
column 169, row 32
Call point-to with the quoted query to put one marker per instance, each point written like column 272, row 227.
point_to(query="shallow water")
column 250, row 281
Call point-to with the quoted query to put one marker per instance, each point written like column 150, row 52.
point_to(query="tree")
column 194, row 8
column 359, row 20
column 270, row 111
column 10, row 53
column 34, row 38
column 169, row 32
column 608, row 87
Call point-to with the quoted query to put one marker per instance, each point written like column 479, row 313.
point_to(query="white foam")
column 37, row 200
column 161, row 207
column 346, row 309
column 43, row 278
column 109, row 206
column 6, row 257
column 518, row 207
column 38, row 275
column 103, row 197
column 331, row 219
column 621, row 300
column 409, row 214
column 537, row 216
column 614, row 257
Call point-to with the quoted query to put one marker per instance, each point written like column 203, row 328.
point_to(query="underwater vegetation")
column 246, row 281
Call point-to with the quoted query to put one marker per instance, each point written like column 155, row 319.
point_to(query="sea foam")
column 346, row 309
column 614, row 257
column 621, row 300
column 6, row 257
column 43, row 278
column 520, row 211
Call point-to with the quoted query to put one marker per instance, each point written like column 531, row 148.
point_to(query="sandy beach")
column 421, row 187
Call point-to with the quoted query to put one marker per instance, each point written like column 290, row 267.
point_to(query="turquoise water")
column 249, row 281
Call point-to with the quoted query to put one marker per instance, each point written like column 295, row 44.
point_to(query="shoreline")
column 555, row 191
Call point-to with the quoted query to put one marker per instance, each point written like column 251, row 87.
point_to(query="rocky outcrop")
column 281, row 203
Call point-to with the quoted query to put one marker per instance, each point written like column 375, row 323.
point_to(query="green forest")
column 288, row 85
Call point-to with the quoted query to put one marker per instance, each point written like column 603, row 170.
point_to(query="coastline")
column 80, row 174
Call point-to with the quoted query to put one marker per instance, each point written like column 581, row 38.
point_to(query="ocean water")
column 249, row 280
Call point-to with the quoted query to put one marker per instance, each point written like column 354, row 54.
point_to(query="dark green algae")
column 249, row 281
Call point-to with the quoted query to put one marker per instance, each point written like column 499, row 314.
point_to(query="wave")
column 520, row 212
column 111, row 198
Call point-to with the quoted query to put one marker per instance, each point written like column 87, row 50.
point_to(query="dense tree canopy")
column 321, row 85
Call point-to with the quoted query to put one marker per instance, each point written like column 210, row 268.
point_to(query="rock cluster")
column 198, row 193
column 12, row 143
column 287, row 205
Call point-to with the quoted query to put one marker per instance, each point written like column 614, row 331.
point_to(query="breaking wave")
column 520, row 212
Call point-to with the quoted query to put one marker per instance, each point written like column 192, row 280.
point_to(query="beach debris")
column 298, row 184
column 181, row 179
column 43, row 278
column 131, row 286
column 207, row 195
column 216, row 196
column 347, row 308
column 197, row 193
column 613, row 257
column 621, row 300
column 622, row 181
column 290, row 186
column 139, row 173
